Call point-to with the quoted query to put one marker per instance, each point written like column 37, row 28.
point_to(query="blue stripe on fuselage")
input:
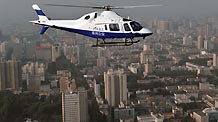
column 97, row 34
column 40, row 12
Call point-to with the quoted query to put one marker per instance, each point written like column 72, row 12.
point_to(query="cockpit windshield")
column 135, row 26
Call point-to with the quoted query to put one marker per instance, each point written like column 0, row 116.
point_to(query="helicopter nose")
column 146, row 31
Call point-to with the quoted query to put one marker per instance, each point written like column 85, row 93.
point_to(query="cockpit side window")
column 126, row 27
column 135, row 26
column 114, row 27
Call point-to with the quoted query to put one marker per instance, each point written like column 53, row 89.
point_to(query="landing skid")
column 127, row 42
column 108, row 45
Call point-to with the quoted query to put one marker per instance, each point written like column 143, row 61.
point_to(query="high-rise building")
column 215, row 60
column 115, row 87
column 163, row 25
column 33, row 68
column 97, row 88
column 65, row 83
column 146, row 54
column 75, row 106
column 200, row 42
column 81, row 54
column 101, row 62
column 148, row 68
column 146, row 47
column 199, row 116
column 187, row 40
column 208, row 29
column 29, row 50
column 17, row 51
column 83, row 104
column 210, row 45
column 206, row 44
column 55, row 52
column 10, row 75
column 44, row 52
column 2, row 47
column 13, row 74
column 70, row 107
column 33, row 73
column 101, row 52
column 33, row 83
column 101, row 58
column 207, row 115
column 2, row 76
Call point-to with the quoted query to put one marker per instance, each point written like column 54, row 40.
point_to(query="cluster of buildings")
column 169, row 76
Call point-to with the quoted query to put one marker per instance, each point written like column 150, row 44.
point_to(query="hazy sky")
column 21, row 10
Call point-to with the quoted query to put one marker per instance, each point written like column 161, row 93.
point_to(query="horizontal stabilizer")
column 43, row 30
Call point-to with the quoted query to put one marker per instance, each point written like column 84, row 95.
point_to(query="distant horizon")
column 22, row 12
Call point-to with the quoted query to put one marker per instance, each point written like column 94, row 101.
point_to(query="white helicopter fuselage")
column 105, row 24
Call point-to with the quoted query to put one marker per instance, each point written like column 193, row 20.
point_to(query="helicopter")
column 102, row 25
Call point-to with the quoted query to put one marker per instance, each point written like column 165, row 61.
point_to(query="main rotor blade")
column 141, row 6
column 78, row 6
column 108, row 7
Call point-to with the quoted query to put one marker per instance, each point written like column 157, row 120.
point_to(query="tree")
column 188, row 119
column 94, row 112
column 17, row 107
column 52, row 68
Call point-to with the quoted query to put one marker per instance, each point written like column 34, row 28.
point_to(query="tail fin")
column 40, row 13
column 42, row 19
